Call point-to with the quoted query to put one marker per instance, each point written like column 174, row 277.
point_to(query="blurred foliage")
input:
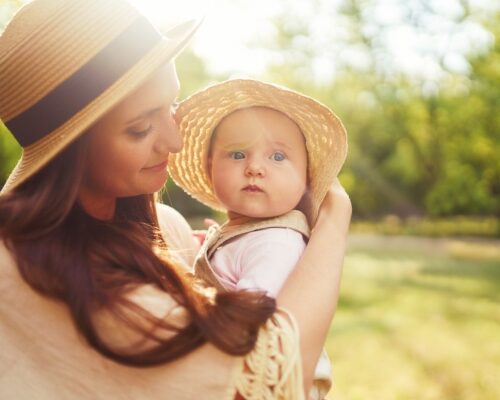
column 192, row 73
column 10, row 151
column 418, row 147
column 7, row 9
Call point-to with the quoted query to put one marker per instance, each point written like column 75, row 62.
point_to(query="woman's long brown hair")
column 89, row 264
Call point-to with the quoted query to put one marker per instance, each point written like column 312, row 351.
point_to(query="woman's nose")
column 169, row 138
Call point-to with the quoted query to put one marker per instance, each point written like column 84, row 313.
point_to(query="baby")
column 267, row 156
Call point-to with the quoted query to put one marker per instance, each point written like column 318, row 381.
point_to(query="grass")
column 458, row 226
column 417, row 319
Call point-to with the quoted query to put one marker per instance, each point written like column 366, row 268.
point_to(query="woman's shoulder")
column 167, row 211
column 177, row 233
column 171, row 221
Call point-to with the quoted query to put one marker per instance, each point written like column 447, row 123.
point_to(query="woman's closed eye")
column 140, row 130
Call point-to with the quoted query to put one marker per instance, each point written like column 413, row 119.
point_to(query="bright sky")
column 228, row 26
column 231, row 28
column 234, row 33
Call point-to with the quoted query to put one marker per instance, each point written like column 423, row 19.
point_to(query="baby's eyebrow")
column 235, row 146
column 283, row 144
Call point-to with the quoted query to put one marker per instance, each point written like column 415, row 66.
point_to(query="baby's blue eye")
column 278, row 156
column 237, row 155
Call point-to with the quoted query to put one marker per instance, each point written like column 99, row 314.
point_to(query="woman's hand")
column 336, row 209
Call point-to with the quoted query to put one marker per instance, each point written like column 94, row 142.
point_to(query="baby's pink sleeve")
column 268, row 257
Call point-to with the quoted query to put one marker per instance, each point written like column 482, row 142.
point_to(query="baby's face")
column 258, row 163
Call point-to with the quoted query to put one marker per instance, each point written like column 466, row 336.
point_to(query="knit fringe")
column 273, row 370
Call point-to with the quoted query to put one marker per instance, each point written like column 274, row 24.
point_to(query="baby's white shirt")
column 258, row 260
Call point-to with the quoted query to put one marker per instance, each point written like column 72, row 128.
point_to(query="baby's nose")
column 255, row 168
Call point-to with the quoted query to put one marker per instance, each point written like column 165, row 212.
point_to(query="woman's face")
column 129, row 146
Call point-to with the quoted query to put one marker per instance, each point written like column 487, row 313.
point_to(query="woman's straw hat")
column 199, row 115
column 65, row 63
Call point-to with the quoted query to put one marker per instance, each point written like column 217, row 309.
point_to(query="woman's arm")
column 312, row 290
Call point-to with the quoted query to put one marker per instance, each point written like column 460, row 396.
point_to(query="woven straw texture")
column 198, row 116
column 49, row 40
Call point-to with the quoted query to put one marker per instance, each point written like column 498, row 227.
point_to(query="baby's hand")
column 208, row 222
column 200, row 235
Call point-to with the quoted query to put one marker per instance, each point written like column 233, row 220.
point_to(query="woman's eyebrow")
column 144, row 114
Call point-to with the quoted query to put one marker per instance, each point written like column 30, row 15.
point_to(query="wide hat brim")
column 35, row 156
column 198, row 116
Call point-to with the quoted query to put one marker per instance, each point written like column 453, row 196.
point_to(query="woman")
column 90, row 287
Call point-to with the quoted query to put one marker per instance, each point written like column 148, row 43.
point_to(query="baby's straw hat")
column 199, row 115
column 65, row 63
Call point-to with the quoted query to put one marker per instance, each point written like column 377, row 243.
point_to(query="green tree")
column 469, row 182
column 417, row 145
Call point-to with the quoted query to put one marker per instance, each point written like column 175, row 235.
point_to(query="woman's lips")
column 158, row 167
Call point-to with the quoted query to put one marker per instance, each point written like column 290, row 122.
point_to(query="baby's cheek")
column 298, row 177
column 294, row 186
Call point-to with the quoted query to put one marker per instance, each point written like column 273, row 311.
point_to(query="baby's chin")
column 255, row 214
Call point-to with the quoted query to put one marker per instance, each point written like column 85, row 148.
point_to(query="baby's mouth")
column 252, row 189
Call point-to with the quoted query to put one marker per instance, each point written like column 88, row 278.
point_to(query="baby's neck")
column 238, row 219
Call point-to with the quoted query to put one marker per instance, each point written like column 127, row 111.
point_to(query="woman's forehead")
column 160, row 89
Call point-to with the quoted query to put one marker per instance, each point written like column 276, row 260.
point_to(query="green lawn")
column 417, row 319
